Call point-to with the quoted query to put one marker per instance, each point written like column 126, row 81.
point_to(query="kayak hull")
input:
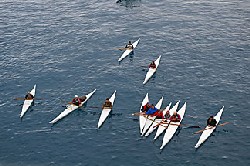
column 208, row 130
column 128, row 51
column 28, row 103
column 142, row 119
column 151, row 71
column 70, row 108
column 105, row 112
column 172, row 127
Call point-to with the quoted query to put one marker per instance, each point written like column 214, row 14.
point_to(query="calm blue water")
column 67, row 47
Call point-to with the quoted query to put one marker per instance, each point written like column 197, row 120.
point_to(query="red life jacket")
column 145, row 108
column 158, row 114
column 76, row 101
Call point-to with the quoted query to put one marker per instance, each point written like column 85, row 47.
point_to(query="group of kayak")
column 152, row 117
column 151, row 110
column 76, row 103
column 129, row 48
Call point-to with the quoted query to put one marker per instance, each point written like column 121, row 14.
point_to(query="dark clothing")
column 145, row 108
column 175, row 118
column 29, row 96
column 158, row 114
column 107, row 104
column 76, row 101
column 152, row 65
column 211, row 122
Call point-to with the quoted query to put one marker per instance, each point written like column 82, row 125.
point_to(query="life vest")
column 29, row 96
column 175, row 118
column 107, row 104
column 158, row 114
column 213, row 122
column 152, row 65
column 76, row 101
column 145, row 108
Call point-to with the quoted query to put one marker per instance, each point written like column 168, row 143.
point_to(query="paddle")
column 122, row 49
column 223, row 124
column 20, row 98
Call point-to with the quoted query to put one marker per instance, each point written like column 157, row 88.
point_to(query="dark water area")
column 69, row 47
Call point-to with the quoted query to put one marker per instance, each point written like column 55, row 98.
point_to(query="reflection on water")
column 129, row 3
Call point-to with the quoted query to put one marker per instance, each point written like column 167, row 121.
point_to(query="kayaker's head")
column 107, row 99
column 175, row 113
column 167, row 112
column 129, row 42
column 147, row 104
column 76, row 95
column 152, row 106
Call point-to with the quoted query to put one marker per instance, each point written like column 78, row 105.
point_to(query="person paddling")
column 146, row 107
column 175, row 117
column 152, row 65
column 76, row 101
column 107, row 104
column 29, row 96
column 211, row 121
column 129, row 45
column 151, row 110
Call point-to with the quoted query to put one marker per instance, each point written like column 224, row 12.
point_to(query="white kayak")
column 157, row 121
column 105, row 111
column 27, row 103
column 163, row 126
column 70, row 108
column 209, row 130
column 128, row 51
column 142, row 119
column 173, row 127
column 150, row 119
column 151, row 71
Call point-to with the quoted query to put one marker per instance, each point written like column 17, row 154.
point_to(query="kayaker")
column 151, row 110
column 107, row 104
column 175, row 117
column 29, row 96
column 129, row 45
column 152, row 65
column 167, row 115
column 76, row 101
column 211, row 121
column 146, row 107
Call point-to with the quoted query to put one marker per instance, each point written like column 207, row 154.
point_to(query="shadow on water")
column 129, row 3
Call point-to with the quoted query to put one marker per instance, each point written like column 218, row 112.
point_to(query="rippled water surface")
column 68, row 47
